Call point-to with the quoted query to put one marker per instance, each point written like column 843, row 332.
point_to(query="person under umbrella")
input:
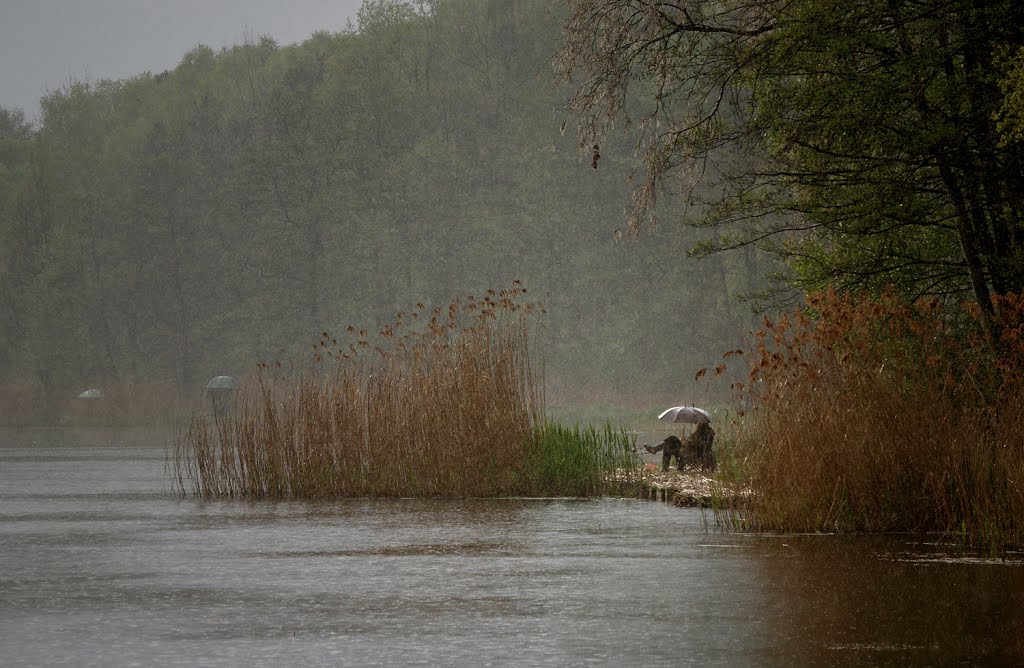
column 697, row 450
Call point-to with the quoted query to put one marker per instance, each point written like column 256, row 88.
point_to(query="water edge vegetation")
column 451, row 407
column 882, row 415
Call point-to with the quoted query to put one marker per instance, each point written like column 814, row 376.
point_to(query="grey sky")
column 43, row 43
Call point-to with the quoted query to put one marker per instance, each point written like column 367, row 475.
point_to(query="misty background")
column 168, row 218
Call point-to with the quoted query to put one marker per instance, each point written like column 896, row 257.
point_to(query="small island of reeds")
column 440, row 403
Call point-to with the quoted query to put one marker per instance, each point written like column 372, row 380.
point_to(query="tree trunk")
column 971, row 254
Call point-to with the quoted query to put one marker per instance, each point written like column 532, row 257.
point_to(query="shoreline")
column 690, row 489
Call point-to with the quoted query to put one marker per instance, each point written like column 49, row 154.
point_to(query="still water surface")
column 100, row 565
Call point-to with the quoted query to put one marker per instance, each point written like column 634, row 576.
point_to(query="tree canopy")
column 859, row 139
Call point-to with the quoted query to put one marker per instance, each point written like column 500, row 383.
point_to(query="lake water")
column 100, row 565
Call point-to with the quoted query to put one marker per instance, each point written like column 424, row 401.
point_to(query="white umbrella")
column 690, row 414
column 222, row 383
column 91, row 394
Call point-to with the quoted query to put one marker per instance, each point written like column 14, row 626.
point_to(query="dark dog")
column 670, row 447
column 695, row 452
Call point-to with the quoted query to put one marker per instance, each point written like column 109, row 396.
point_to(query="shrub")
column 880, row 415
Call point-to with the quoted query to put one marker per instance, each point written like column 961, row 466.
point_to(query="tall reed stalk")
column 447, row 404
column 879, row 415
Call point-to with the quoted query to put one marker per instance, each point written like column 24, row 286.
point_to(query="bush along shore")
column 879, row 415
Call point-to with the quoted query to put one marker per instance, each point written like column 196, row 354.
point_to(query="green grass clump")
column 570, row 461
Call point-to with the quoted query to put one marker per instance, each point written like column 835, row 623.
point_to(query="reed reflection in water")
column 894, row 600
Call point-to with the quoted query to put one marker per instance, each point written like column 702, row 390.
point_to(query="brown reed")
column 445, row 403
column 877, row 415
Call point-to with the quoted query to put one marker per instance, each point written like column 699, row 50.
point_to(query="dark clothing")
column 670, row 447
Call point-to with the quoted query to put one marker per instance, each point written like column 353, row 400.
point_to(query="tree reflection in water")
column 872, row 600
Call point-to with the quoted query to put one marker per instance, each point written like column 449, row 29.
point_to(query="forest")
column 161, row 230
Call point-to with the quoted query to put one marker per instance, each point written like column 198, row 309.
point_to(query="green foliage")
column 15, row 157
column 1011, row 114
column 855, row 139
column 570, row 461
column 167, row 228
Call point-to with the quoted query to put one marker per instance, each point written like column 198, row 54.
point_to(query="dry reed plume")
column 879, row 415
column 443, row 404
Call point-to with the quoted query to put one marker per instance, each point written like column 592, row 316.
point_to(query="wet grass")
column 575, row 461
column 446, row 403
column 883, row 416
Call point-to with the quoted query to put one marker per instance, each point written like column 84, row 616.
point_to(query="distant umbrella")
column 222, row 392
column 222, row 383
column 91, row 394
column 690, row 414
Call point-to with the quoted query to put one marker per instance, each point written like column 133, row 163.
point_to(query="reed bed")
column 875, row 415
column 445, row 404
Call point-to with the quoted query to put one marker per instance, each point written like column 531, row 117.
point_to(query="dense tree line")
column 166, row 228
